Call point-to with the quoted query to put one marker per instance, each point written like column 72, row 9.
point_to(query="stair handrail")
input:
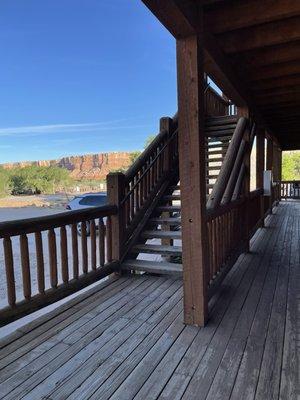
column 150, row 165
column 241, row 176
column 147, row 152
column 227, row 197
column 219, row 188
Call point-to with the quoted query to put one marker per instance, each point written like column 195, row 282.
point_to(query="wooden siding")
column 127, row 340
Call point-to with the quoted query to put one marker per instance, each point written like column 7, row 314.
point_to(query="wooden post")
column 191, row 146
column 270, row 164
column 115, row 193
column 242, row 112
column 247, row 163
column 165, row 124
column 260, row 164
column 269, row 154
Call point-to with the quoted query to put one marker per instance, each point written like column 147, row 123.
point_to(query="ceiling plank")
column 290, row 98
column 260, row 36
column 276, row 91
column 276, row 82
column 267, row 56
column 275, row 71
column 228, row 16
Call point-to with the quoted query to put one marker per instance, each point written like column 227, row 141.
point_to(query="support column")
column 269, row 154
column 191, row 147
column 270, row 164
column 260, row 164
column 247, row 164
column 115, row 193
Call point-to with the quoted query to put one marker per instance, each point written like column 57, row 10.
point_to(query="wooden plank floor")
column 127, row 340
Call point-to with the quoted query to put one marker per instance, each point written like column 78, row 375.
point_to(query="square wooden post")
column 260, row 164
column 116, row 193
column 269, row 163
column 191, row 146
column 247, row 188
column 166, row 124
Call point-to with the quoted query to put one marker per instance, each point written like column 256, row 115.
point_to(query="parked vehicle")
column 87, row 200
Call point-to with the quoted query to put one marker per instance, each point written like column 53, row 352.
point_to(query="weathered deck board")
column 127, row 340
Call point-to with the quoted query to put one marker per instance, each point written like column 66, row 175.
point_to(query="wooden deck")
column 127, row 340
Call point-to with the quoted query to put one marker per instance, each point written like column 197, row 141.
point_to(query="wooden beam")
column 270, row 55
column 192, row 178
column 227, row 16
column 261, row 36
column 177, row 16
column 281, row 81
column 290, row 98
column 274, row 71
column 181, row 19
column 277, row 91
column 218, row 68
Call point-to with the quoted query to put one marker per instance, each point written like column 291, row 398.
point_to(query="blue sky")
column 81, row 76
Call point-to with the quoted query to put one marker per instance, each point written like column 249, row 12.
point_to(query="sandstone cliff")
column 89, row 166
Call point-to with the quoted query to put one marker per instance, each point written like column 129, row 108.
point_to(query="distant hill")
column 88, row 166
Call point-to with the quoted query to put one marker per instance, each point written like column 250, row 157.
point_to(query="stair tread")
column 157, row 249
column 158, row 234
column 221, row 120
column 168, row 208
column 159, row 267
column 172, row 197
column 175, row 221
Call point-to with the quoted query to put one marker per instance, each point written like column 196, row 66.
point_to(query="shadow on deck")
column 126, row 340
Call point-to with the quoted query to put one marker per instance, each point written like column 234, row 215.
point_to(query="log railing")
column 45, row 259
column 290, row 190
column 216, row 105
column 135, row 191
column 229, row 230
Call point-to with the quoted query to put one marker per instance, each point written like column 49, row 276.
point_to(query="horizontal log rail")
column 290, row 189
column 46, row 260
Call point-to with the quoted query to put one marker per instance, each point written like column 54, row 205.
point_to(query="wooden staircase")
column 160, row 241
column 158, row 249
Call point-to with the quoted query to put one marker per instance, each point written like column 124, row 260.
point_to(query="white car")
column 87, row 200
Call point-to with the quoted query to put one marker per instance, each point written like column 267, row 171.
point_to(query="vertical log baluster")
column 84, row 249
column 93, row 245
column 75, row 251
column 52, row 258
column 9, row 270
column 64, row 255
column 101, row 228
column 40, row 268
column 25, row 264
column 108, row 239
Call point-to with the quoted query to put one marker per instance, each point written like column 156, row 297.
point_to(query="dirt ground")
column 56, row 201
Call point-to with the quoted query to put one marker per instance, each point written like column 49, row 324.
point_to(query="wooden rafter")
column 245, row 14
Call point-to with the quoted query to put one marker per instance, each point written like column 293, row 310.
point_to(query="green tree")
column 149, row 140
column 291, row 165
column 134, row 156
column 4, row 181
column 36, row 179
